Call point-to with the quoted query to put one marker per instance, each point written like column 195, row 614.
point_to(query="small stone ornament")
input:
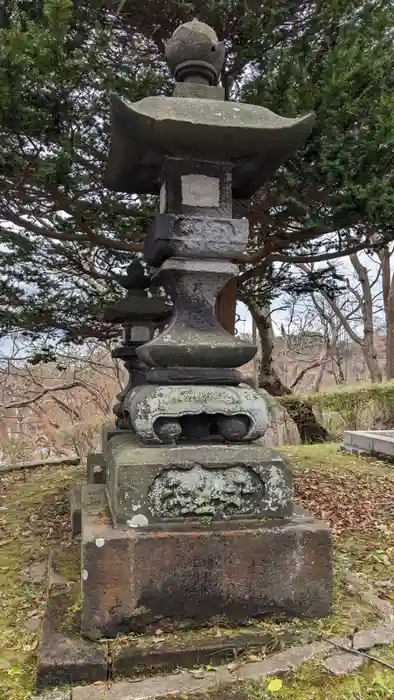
column 194, row 49
column 139, row 314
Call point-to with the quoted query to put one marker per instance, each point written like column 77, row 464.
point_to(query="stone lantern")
column 196, row 518
column 139, row 315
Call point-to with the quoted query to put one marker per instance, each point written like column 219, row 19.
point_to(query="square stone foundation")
column 234, row 570
column 157, row 485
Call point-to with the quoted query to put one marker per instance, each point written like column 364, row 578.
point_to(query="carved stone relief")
column 200, row 492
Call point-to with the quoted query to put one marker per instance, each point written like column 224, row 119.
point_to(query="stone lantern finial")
column 194, row 53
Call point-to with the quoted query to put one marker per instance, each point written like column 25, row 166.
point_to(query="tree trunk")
column 310, row 430
column 390, row 333
column 226, row 306
column 368, row 344
column 388, row 303
column 365, row 304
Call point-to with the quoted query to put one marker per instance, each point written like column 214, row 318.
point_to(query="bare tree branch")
column 48, row 390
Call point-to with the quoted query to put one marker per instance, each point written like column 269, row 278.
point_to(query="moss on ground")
column 36, row 521
column 330, row 457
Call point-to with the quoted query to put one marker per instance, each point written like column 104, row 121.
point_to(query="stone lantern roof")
column 254, row 140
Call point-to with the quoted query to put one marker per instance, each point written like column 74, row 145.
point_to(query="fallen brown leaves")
column 54, row 516
column 347, row 501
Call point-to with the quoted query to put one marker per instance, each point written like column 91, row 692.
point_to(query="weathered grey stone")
column 233, row 491
column 64, row 658
column 200, row 191
column 184, row 682
column 173, row 684
column 53, row 695
column 108, row 432
column 141, row 482
column 194, row 236
column 35, row 572
column 365, row 639
column 94, row 495
column 139, row 307
column 74, row 497
column 195, row 48
column 207, row 92
column 377, row 442
column 193, row 375
column 179, row 573
column 282, row 661
column 139, row 314
column 132, row 660
column 147, row 404
column 107, row 575
column 380, row 606
column 165, row 558
column 254, row 139
column 81, row 495
column 195, row 338
column 95, row 468
column 178, row 172
column 342, row 664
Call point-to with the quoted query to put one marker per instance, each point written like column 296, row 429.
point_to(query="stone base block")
column 132, row 578
column 149, row 485
column 65, row 658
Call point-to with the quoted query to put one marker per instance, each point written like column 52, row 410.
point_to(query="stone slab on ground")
column 130, row 660
column 36, row 572
column 342, row 664
column 375, row 442
column 380, row 606
column 176, row 683
column 379, row 636
column 64, row 657
column 189, row 682
column 53, row 695
column 281, row 662
column 185, row 682
column 237, row 570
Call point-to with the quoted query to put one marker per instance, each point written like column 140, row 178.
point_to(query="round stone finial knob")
column 135, row 277
column 195, row 54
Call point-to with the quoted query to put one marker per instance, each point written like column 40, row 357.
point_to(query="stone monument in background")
column 187, row 514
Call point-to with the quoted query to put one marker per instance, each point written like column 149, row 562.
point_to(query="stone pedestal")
column 195, row 532
column 236, row 570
